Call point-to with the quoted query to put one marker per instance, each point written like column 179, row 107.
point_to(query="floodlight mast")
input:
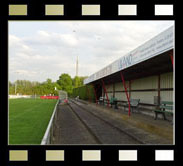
column 17, row 72
column 15, row 87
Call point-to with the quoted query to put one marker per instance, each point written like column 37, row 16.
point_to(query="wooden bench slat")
column 167, row 102
column 166, row 107
column 113, row 99
column 163, row 111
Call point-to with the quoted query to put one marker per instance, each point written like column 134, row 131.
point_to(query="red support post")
column 123, row 80
column 105, row 91
column 130, row 82
column 171, row 56
column 95, row 94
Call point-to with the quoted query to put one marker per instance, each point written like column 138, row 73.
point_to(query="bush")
column 85, row 92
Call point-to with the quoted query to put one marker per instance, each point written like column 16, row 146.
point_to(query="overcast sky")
column 40, row 49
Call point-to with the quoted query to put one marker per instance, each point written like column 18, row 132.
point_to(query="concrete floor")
column 71, row 130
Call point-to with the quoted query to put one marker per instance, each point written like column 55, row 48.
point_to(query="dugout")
column 146, row 73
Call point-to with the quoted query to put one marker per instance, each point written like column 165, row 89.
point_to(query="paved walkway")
column 159, row 127
column 69, row 130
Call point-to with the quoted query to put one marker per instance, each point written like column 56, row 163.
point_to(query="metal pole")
column 171, row 56
column 113, row 89
column 15, row 88
column 105, row 92
column 95, row 93
column 16, row 82
column 159, row 86
column 123, row 80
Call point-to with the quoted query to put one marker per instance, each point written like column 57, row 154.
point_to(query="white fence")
column 48, row 136
column 19, row 96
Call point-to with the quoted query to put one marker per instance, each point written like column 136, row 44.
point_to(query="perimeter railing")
column 49, row 134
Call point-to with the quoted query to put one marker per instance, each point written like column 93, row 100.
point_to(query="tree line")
column 65, row 82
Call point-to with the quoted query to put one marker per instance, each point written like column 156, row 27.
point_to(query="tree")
column 11, row 88
column 78, row 81
column 25, row 87
column 65, row 83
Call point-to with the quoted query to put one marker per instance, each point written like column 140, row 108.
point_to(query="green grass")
column 28, row 120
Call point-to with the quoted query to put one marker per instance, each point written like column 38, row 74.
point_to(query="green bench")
column 113, row 101
column 166, row 107
column 134, row 103
column 101, row 100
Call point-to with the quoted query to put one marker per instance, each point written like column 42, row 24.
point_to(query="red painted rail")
column 49, row 97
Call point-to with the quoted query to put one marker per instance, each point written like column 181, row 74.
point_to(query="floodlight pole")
column 15, row 87
column 123, row 81
column 17, row 72
column 105, row 91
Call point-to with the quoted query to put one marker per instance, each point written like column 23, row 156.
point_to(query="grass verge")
column 28, row 120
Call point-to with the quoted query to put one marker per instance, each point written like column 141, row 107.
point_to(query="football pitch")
column 28, row 119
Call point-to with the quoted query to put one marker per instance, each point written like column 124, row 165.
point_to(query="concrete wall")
column 145, row 97
column 145, row 84
column 145, row 89
column 120, row 94
column 166, row 82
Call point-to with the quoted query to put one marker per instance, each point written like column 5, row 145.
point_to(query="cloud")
column 47, row 53
column 52, row 39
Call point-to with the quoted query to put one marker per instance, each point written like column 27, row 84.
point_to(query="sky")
column 45, row 49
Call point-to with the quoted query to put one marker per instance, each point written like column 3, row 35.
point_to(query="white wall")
column 121, row 96
column 119, row 86
column 19, row 96
column 145, row 97
column 147, row 83
column 166, row 82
